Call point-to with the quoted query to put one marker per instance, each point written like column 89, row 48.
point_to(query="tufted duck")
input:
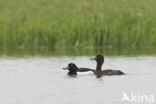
column 100, row 60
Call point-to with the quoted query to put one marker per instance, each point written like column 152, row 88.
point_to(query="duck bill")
column 93, row 58
column 65, row 68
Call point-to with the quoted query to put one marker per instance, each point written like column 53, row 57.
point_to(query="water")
column 41, row 80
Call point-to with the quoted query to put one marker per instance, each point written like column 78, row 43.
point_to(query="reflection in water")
column 78, row 52
column 98, row 75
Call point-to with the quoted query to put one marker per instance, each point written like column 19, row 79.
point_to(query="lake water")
column 41, row 80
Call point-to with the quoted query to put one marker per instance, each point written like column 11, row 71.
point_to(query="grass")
column 37, row 24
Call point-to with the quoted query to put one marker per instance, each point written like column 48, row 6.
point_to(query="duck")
column 98, row 71
column 73, row 69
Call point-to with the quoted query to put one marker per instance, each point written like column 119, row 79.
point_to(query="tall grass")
column 77, row 23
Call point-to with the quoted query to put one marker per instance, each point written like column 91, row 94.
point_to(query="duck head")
column 72, row 69
column 99, row 59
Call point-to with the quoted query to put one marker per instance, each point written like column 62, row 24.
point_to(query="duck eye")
column 70, row 65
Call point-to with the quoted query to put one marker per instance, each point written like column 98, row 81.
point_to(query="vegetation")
column 33, row 24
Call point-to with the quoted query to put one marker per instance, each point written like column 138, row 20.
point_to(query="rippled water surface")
column 42, row 80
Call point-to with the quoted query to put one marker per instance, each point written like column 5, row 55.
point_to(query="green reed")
column 37, row 24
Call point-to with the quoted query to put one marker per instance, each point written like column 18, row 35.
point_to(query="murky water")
column 42, row 81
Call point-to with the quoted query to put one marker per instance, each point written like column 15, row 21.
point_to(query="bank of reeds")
column 77, row 23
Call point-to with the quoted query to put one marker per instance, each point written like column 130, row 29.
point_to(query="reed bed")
column 77, row 23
